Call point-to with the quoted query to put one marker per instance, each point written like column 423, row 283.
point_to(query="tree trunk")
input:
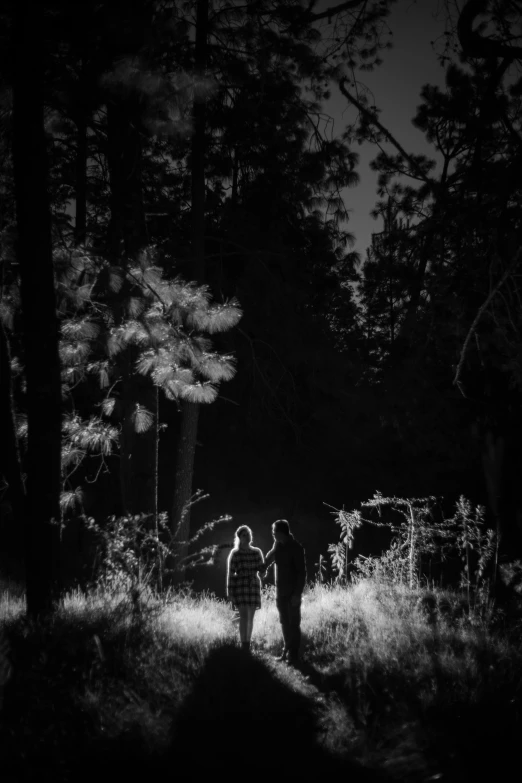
column 157, row 531
column 186, row 447
column 137, row 449
column 80, row 226
column 235, row 179
column 185, row 455
column 127, row 238
column 10, row 465
column 392, row 313
column 198, row 148
column 39, row 319
column 124, row 157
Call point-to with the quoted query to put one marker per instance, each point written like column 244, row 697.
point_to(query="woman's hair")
column 242, row 529
column 281, row 526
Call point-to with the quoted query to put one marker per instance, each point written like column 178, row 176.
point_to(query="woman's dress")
column 243, row 582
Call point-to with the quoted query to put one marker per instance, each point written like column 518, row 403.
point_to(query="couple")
column 245, row 567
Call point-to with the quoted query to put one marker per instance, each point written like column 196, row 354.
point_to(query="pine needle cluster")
column 111, row 315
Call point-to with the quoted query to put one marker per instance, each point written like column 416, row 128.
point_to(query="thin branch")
column 95, row 479
column 374, row 120
column 245, row 249
column 517, row 138
column 509, row 316
column 336, row 9
column 253, row 253
column 227, row 399
column 143, row 282
column 267, row 383
column 456, row 380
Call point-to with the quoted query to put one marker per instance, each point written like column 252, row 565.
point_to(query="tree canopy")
column 200, row 281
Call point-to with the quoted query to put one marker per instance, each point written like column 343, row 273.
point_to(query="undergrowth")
column 396, row 679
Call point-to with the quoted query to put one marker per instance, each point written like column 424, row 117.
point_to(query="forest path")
column 256, row 718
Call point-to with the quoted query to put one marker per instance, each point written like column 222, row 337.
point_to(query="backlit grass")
column 400, row 681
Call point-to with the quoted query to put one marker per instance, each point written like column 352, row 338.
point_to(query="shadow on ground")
column 456, row 741
column 243, row 719
column 240, row 719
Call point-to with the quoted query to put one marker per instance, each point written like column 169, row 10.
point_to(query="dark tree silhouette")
column 186, row 446
column 456, row 325
column 40, row 323
column 10, row 464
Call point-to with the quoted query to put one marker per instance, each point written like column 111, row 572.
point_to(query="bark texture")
column 40, row 322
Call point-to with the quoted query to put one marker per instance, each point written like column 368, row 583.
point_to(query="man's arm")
column 269, row 562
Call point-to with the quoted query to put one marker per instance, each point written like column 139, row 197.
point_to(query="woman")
column 243, row 582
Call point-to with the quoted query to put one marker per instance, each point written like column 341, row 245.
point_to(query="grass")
column 395, row 683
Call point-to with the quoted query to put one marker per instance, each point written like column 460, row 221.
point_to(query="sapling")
column 133, row 550
column 349, row 521
column 419, row 534
column 321, row 569
column 467, row 525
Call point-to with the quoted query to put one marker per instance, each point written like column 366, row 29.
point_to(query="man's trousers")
column 290, row 617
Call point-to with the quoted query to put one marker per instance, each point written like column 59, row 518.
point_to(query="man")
column 290, row 577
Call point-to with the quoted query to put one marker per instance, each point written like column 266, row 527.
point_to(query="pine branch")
column 93, row 435
column 72, row 354
column 216, row 368
column 70, row 499
column 82, row 329
column 141, row 418
column 475, row 45
column 269, row 386
column 108, row 406
column 146, row 283
column 199, row 392
column 217, row 318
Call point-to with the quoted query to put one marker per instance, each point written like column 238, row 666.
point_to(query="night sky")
column 396, row 86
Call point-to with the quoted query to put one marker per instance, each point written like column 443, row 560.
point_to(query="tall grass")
column 386, row 673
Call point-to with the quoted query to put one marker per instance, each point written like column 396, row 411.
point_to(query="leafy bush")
column 421, row 532
column 140, row 552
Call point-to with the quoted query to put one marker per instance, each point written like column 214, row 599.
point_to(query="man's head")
column 281, row 531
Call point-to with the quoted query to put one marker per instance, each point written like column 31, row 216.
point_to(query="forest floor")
column 394, row 685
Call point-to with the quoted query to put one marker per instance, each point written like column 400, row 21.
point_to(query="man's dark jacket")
column 290, row 567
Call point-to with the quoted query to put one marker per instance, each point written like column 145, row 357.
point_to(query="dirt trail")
column 243, row 717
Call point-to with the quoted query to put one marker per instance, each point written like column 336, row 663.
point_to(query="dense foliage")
column 207, row 300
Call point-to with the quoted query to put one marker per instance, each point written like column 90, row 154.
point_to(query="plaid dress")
column 243, row 582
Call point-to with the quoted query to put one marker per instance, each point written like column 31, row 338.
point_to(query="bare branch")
column 456, row 380
column 337, row 9
column 375, row 121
